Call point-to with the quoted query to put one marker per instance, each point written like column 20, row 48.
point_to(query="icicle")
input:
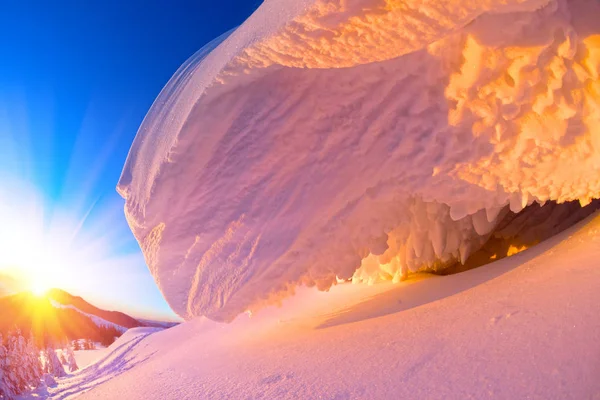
column 452, row 242
column 481, row 224
column 492, row 213
column 438, row 238
column 516, row 203
column 465, row 251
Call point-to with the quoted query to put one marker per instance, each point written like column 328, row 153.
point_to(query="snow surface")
column 87, row 357
column 525, row 327
column 114, row 360
column 328, row 140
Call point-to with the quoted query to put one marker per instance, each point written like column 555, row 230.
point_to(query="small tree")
column 89, row 345
column 5, row 392
column 76, row 345
column 5, row 387
column 32, row 361
column 17, row 363
column 53, row 365
column 20, row 367
column 71, row 361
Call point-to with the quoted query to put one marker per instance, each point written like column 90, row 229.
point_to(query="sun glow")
column 32, row 262
column 43, row 246
column 39, row 288
column 38, row 258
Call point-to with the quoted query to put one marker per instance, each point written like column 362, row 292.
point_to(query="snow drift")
column 526, row 327
column 361, row 139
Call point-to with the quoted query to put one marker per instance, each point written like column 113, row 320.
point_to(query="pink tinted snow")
column 523, row 327
column 364, row 140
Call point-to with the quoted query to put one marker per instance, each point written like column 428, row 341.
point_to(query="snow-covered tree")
column 34, row 365
column 5, row 386
column 52, row 364
column 76, row 345
column 20, row 368
column 17, row 363
column 89, row 345
column 71, row 361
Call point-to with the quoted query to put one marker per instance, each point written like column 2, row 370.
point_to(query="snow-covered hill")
column 59, row 314
column 525, row 327
column 60, row 298
column 95, row 319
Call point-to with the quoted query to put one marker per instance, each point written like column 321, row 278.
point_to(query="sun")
column 41, row 248
column 39, row 288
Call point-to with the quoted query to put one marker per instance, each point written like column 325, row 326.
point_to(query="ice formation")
column 360, row 139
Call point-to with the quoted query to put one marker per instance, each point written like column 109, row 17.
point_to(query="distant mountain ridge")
column 61, row 316
column 115, row 317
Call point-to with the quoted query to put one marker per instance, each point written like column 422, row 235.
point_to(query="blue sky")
column 76, row 79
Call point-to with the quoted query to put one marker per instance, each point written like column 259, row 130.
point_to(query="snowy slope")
column 360, row 139
column 87, row 357
column 95, row 319
column 112, row 361
column 524, row 327
column 116, row 317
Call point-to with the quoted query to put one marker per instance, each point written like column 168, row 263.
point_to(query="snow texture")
column 108, row 364
column 525, row 327
column 87, row 357
column 328, row 140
